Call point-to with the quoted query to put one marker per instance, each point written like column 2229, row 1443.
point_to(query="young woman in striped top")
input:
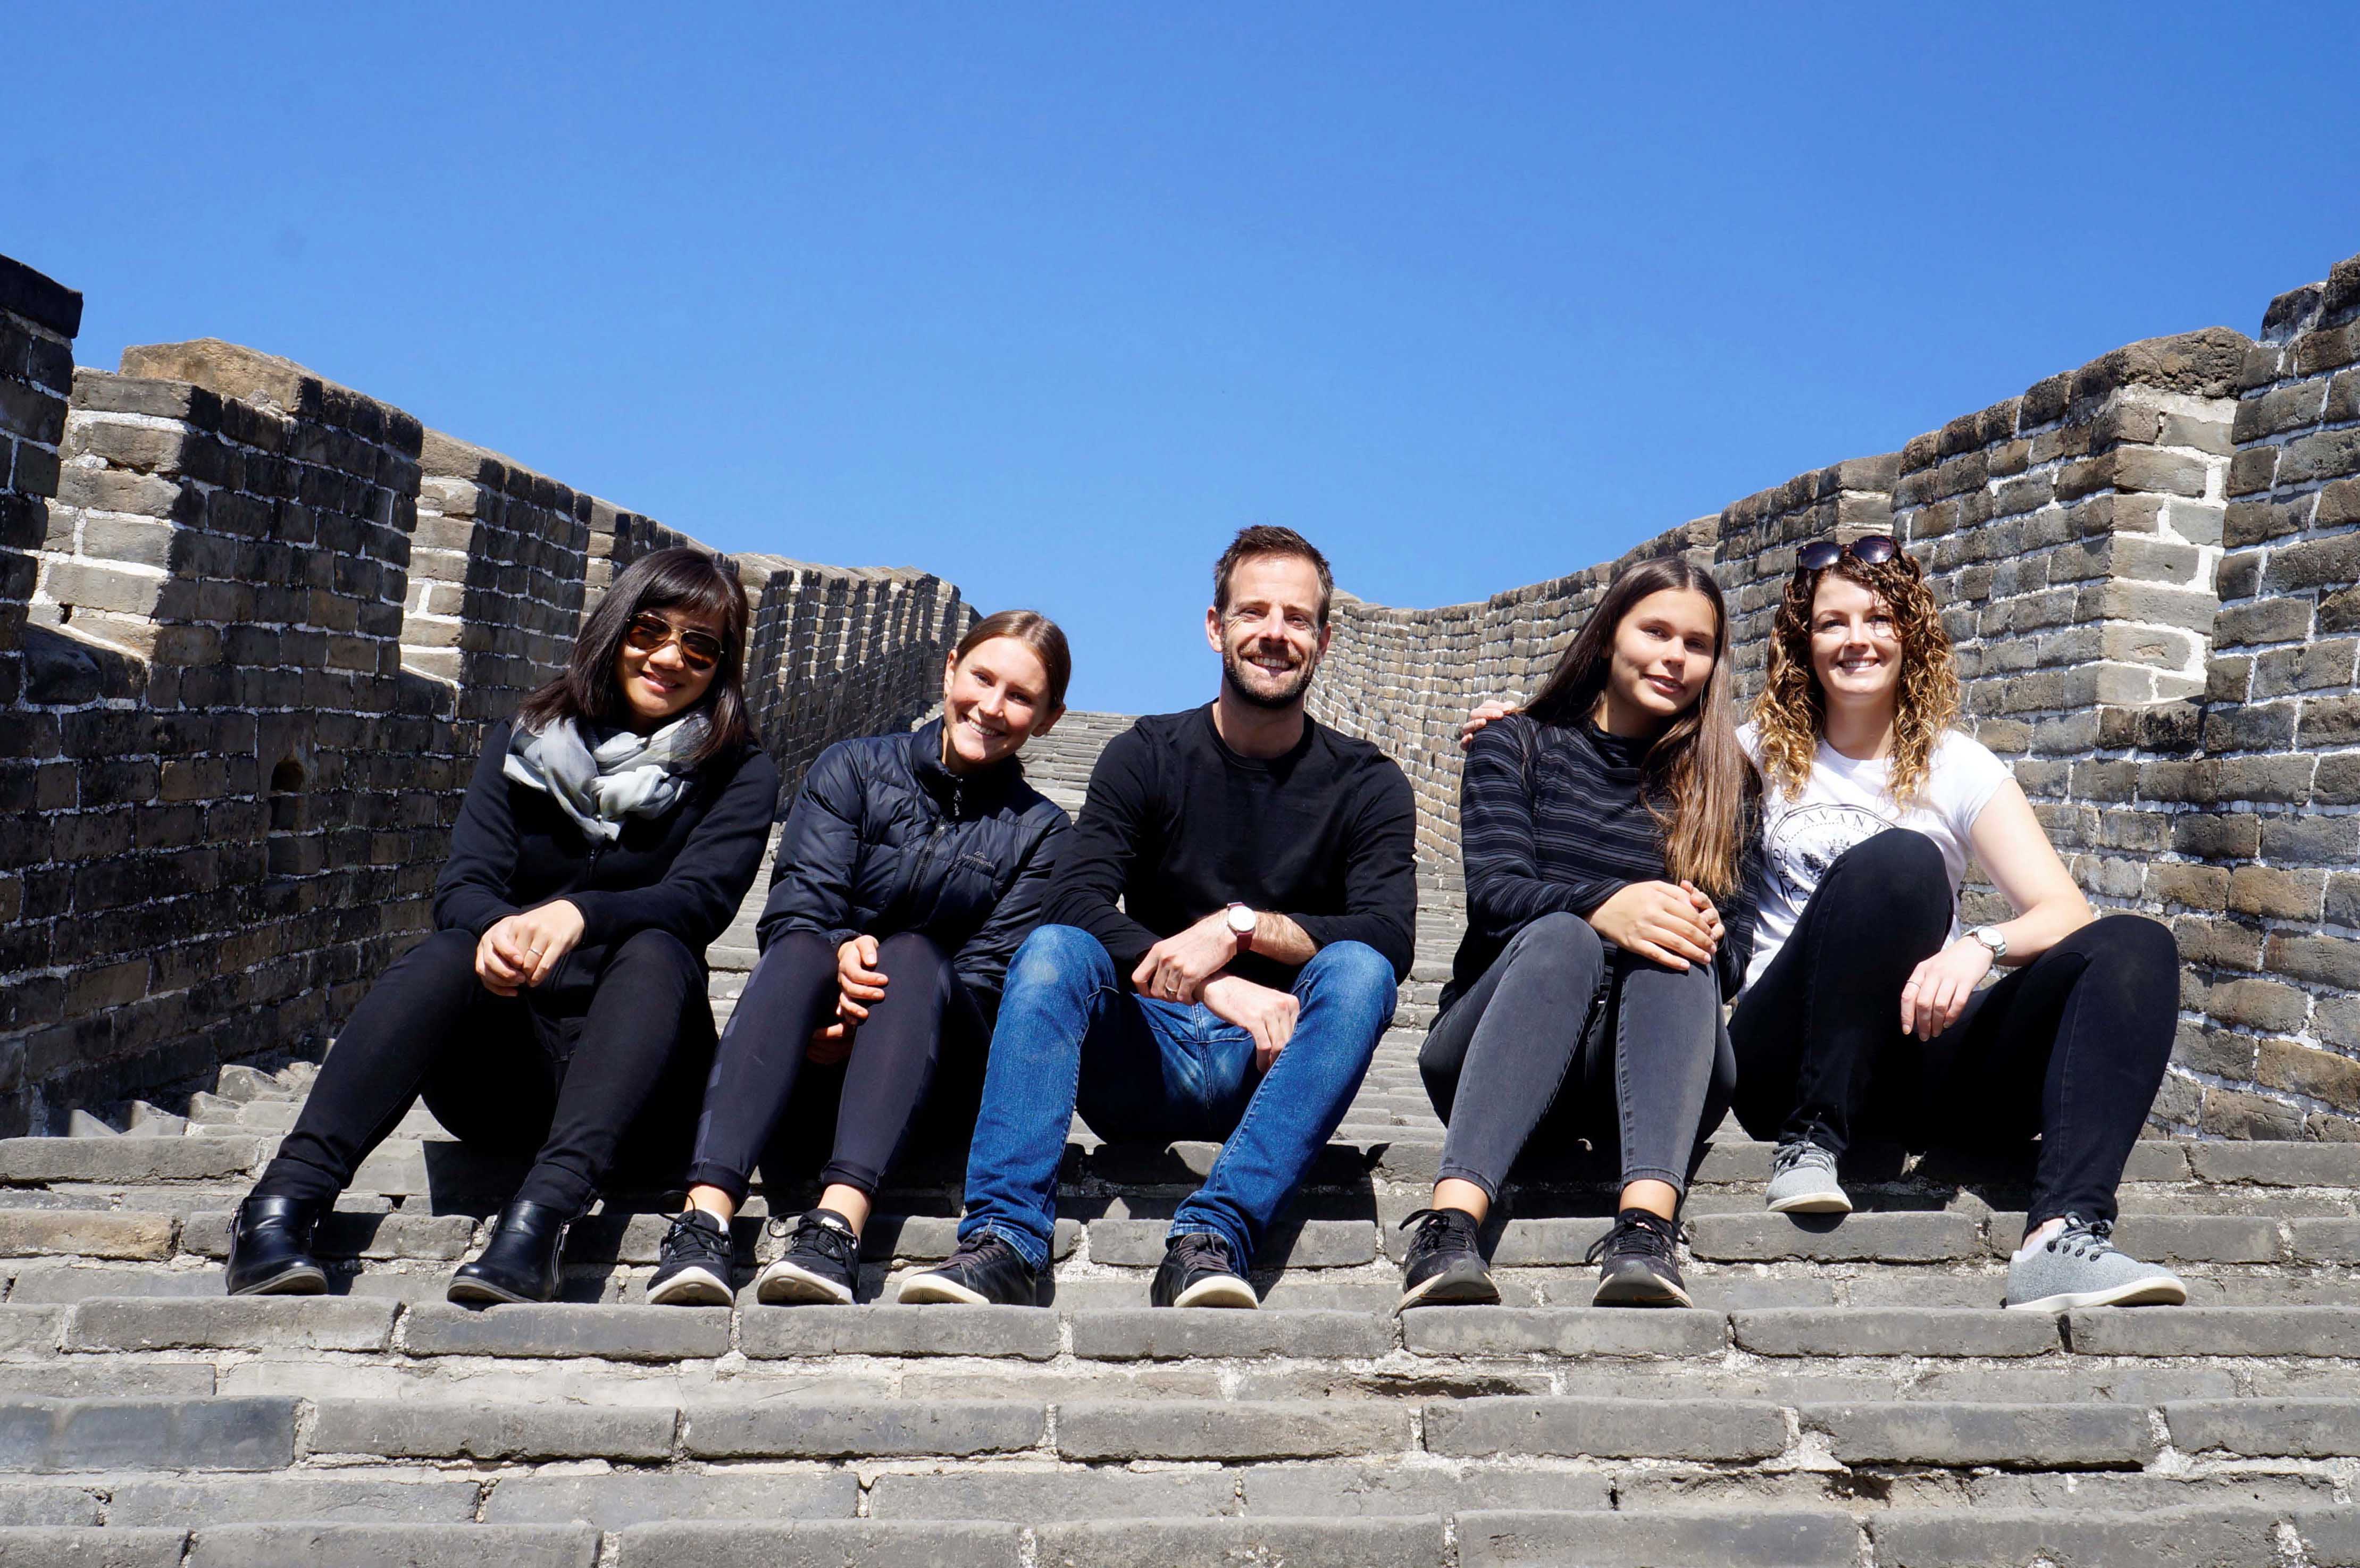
column 1609, row 903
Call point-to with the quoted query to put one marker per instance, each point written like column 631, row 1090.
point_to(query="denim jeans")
column 1069, row 1036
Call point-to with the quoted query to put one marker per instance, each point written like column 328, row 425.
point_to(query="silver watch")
column 1993, row 938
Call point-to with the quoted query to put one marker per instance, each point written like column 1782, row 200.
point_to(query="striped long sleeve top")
column 1551, row 817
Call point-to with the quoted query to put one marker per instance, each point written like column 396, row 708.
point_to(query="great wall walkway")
column 1846, row 1394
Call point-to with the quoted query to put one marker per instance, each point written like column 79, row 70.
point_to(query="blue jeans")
column 1137, row 1069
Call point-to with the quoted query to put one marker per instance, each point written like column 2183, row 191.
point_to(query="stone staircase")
column 1846, row 1394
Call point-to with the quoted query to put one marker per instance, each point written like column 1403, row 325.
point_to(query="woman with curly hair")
column 1860, row 1004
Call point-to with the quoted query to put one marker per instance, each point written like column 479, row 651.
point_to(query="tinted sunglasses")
column 699, row 651
column 1869, row 550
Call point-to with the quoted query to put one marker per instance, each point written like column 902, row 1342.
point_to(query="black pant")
column 767, row 1103
column 505, row 1074
column 1496, row 1062
column 2070, row 1046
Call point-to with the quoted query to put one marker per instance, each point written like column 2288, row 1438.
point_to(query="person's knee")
column 446, row 953
column 913, row 958
column 1564, row 936
column 652, row 954
column 1055, row 957
column 1894, row 877
column 1355, row 968
column 2137, row 945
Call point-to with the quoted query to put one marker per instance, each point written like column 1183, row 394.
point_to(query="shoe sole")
column 932, row 1289
column 785, row 1284
column 1638, row 1292
column 692, row 1287
column 2136, row 1293
column 487, row 1293
column 1223, row 1290
column 1452, row 1288
column 302, row 1280
column 1811, row 1204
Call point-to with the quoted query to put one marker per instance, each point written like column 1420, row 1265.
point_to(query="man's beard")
column 1234, row 676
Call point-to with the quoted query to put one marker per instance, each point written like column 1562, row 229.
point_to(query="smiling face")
column 994, row 701
column 1663, row 655
column 1269, row 634
column 1855, row 644
column 661, row 682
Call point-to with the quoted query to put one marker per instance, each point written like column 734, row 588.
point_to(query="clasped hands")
column 517, row 951
column 1192, row 965
column 1673, row 924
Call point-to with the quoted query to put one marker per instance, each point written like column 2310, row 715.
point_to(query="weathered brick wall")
column 225, row 853
column 249, row 651
column 2193, row 752
column 2271, row 899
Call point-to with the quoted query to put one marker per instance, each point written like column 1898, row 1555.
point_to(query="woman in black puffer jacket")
column 910, row 870
column 559, row 1008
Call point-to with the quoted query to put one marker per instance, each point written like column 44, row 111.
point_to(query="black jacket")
column 885, row 839
column 685, row 872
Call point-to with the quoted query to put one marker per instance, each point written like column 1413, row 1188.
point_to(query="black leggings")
column 502, row 1075
column 1496, row 1062
column 2070, row 1046
column 766, row 1104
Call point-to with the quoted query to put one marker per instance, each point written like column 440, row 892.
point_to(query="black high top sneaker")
column 1445, row 1265
column 697, row 1264
column 1197, row 1271
column 821, row 1265
column 1635, row 1266
column 984, row 1270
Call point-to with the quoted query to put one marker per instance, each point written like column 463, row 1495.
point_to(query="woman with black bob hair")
column 911, row 868
column 559, row 1008
column 1612, row 873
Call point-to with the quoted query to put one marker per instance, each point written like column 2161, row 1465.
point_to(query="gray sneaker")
column 1803, row 1181
column 2078, row 1266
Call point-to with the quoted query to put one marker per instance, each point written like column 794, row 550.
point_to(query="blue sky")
column 1051, row 299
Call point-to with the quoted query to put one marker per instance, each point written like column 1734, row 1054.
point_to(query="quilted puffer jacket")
column 884, row 839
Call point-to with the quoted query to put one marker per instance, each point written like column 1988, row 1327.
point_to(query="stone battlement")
column 252, row 627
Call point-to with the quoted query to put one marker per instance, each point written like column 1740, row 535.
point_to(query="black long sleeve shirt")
column 1178, row 826
column 1551, row 817
column 684, row 872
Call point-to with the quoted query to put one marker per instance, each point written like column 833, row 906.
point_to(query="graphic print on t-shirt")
column 1800, row 844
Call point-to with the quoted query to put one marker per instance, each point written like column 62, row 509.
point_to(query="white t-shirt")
column 1847, row 802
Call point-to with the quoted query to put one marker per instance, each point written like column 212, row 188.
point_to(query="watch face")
column 1241, row 920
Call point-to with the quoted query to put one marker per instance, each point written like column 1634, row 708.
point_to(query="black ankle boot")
column 520, row 1262
column 270, row 1249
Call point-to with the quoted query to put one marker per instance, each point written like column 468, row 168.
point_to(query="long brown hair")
column 679, row 578
column 1791, row 713
column 1697, row 783
column 1035, row 631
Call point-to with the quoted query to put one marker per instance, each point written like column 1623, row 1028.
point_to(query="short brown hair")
column 1263, row 539
column 1035, row 631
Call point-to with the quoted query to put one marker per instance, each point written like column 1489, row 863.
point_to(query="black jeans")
column 1496, row 1063
column 2070, row 1046
column 767, row 1103
column 507, row 1075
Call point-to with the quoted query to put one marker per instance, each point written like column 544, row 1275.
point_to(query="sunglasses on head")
column 1869, row 550
column 699, row 651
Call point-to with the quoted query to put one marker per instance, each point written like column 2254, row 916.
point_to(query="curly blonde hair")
column 1790, row 714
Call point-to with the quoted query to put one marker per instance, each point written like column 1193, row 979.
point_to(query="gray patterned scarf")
column 625, row 775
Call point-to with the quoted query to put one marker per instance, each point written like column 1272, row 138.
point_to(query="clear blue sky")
column 1050, row 299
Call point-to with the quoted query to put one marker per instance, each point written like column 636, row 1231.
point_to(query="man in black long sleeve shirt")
column 1266, row 870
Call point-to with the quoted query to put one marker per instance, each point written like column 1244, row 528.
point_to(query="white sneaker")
column 1803, row 1181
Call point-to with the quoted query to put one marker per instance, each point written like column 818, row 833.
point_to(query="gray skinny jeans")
column 1555, row 1024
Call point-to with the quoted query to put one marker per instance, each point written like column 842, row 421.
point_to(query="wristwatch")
column 1241, row 926
column 1993, row 938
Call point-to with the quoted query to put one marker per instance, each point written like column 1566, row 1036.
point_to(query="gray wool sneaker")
column 2078, row 1266
column 1803, row 1181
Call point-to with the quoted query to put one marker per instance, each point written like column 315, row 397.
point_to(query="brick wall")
column 2193, row 751
column 2271, row 900
column 246, row 657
